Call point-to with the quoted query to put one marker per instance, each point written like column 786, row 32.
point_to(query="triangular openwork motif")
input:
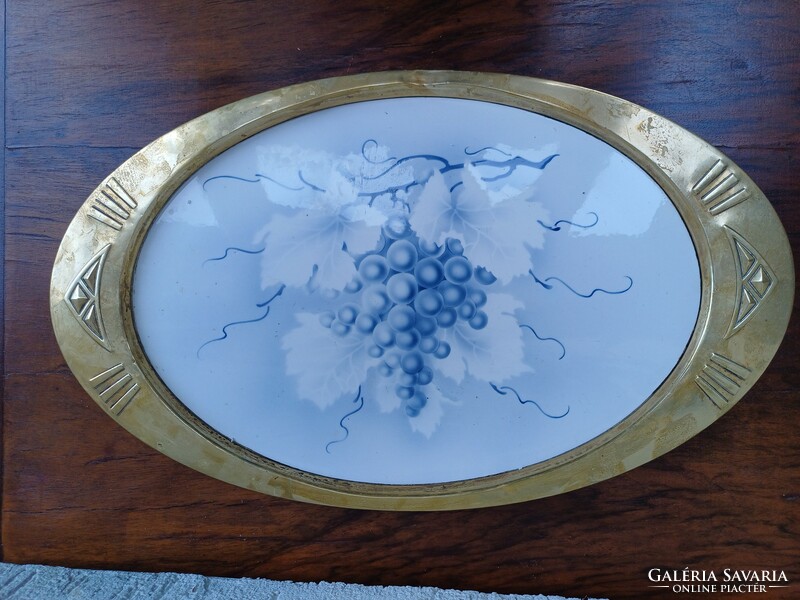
column 81, row 297
column 746, row 258
column 756, row 280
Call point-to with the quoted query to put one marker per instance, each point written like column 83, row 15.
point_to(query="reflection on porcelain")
column 416, row 290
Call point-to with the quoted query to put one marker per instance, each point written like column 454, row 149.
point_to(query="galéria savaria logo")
column 723, row 581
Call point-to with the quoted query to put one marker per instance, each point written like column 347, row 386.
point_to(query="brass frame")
column 743, row 314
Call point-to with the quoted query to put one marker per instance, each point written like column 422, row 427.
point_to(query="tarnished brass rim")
column 723, row 358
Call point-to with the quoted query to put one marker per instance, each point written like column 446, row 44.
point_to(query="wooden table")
column 88, row 83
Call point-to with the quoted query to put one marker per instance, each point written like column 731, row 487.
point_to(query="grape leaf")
column 380, row 390
column 304, row 178
column 301, row 177
column 496, row 233
column 428, row 419
column 326, row 366
column 494, row 353
column 316, row 243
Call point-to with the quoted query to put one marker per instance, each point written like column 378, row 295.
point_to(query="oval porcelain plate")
column 422, row 290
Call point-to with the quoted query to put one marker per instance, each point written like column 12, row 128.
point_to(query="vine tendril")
column 545, row 339
column 500, row 391
column 549, row 286
column 358, row 399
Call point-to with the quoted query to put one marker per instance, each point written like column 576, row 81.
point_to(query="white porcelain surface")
column 596, row 296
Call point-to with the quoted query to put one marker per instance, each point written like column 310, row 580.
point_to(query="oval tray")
column 422, row 290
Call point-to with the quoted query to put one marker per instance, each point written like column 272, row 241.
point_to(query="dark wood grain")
column 88, row 83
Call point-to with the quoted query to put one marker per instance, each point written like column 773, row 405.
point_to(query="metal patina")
column 727, row 216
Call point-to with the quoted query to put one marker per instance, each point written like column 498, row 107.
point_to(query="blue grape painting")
column 412, row 255
column 416, row 290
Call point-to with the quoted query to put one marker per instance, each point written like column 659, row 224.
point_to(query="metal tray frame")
column 744, row 311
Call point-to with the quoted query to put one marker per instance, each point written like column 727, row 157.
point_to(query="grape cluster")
column 407, row 291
